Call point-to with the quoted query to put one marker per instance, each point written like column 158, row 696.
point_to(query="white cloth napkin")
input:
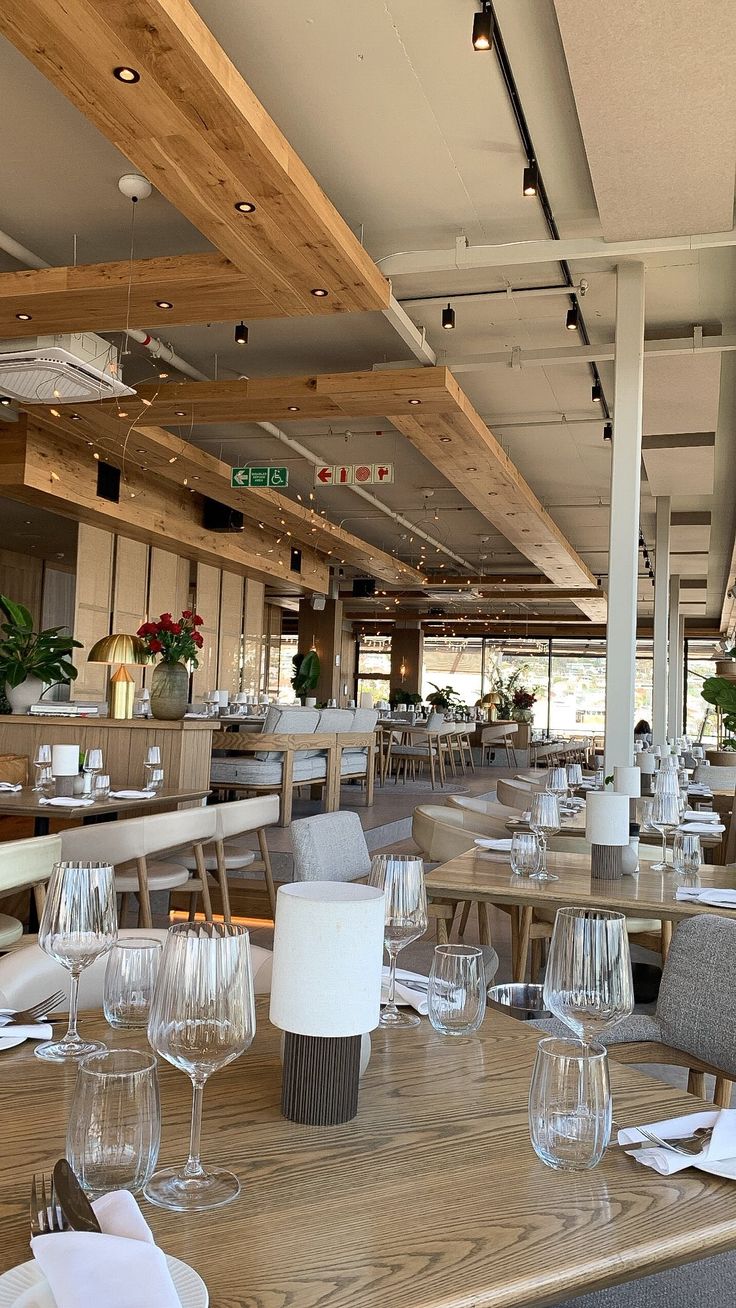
column 718, row 1157
column 702, row 828
column 6, row 786
column 404, row 995
column 121, row 1268
column 501, row 845
column 132, row 794
column 706, row 815
column 67, row 801
column 713, row 897
column 29, row 1030
column 698, row 788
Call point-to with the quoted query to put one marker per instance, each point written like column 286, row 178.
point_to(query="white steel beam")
column 673, row 728
column 589, row 353
column 623, row 549
column 410, row 334
column 661, row 614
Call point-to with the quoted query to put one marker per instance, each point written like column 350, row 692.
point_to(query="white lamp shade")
column 327, row 958
column 647, row 763
column 627, row 781
column 64, row 760
column 366, row 699
column 607, row 818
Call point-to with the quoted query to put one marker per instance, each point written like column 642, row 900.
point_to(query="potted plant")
column 443, row 697
column 721, row 692
column 522, row 704
column 726, row 664
column 504, row 692
column 307, row 668
column 397, row 695
column 31, row 661
column 178, row 644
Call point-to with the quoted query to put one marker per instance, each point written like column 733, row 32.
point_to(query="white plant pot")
column 21, row 697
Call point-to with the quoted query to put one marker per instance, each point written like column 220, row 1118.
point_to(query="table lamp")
column 121, row 649
column 607, row 830
column 325, row 993
column 627, row 781
column 646, row 764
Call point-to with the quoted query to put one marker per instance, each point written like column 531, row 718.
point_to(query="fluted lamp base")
column 606, row 862
column 320, row 1079
column 120, row 694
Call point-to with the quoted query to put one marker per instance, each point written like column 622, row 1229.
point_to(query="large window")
column 700, row 717
column 527, row 657
column 374, row 666
column 456, row 662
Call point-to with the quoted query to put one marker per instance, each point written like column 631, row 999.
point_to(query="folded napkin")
column 707, row 815
column 526, row 815
column 490, row 842
column 7, row 786
column 120, row 1268
column 714, row 897
column 29, row 1030
column 132, row 794
column 67, row 801
column 698, row 788
column 702, row 828
column 404, row 994
column 718, row 1156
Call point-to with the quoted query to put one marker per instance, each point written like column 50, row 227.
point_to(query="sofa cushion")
column 266, row 772
column 354, row 761
column 294, row 721
column 365, row 719
column 335, row 719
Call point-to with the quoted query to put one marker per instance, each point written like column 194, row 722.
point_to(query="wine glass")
column 525, row 853
column 544, row 821
column 401, row 878
column 78, row 925
column 665, row 817
column 150, row 763
column 588, row 982
column 574, row 775
column 202, row 1018
column 557, row 782
column 41, row 761
column 91, row 765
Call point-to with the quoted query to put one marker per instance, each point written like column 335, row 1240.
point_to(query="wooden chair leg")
column 205, row 887
column 144, row 898
column 484, row 923
column 536, row 958
column 465, row 915
column 222, row 879
column 696, row 1083
column 525, row 926
column 39, row 898
column 267, row 869
column 722, row 1092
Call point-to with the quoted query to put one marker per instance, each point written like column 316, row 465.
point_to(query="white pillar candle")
column 627, row 781
column 65, row 760
column 607, row 818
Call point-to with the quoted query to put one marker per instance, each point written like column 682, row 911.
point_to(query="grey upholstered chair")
column 708, row 1281
column 329, row 847
column 695, row 1022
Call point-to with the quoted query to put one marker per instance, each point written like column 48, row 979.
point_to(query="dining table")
column 27, row 803
column 432, row 1197
column 484, row 877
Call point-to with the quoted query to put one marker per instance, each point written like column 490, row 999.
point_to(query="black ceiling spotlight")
column 531, row 178
column 608, row 431
column 6, row 401
column 572, row 318
column 483, row 28
column 596, row 392
column 241, row 334
column 448, row 318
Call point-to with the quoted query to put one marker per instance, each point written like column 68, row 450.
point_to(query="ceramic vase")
column 169, row 691
column 28, row 692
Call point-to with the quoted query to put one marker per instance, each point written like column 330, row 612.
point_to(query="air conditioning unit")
column 71, row 369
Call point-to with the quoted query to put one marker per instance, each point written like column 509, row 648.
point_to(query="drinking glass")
column 91, row 764
column 155, row 779
column 130, row 978
column 78, row 925
column 101, row 788
column 557, row 783
column 45, row 781
column 401, row 878
column 202, row 1017
column 456, row 996
column 645, row 814
column 574, row 775
column 150, row 763
column 588, row 982
column 570, row 1105
column 114, row 1130
column 544, row 821
column 526, row 853
column 686, row 853
column 665, row 817
column 41, row 761
column 599, row 778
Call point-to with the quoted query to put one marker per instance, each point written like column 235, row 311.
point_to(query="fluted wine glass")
column 202, row 1017
column 665, row 818
column 557, row 782
column 401, row 878
column 545, row 821
column 79, row 924
column 588, row 982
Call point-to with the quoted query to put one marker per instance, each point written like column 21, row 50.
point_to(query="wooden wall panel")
column 130, row 591
column 21, row 578
column 253, row 637
column 231, row 632
column 92, row 607
column 347, row 665
column 208, row 607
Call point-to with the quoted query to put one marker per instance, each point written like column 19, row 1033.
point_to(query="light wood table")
column 24, row 803
column 431, row 1198
column 486, row 878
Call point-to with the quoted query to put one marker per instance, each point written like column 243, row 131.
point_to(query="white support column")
column 661, row 615
column 673, row 729
column 623, row 549
column 680, row 706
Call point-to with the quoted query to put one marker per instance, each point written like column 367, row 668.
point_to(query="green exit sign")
column 276, row 478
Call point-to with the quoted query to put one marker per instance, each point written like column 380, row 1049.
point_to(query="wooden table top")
column 24, row 803
column 431, row 1198
column 72, row 721
column 477, row 874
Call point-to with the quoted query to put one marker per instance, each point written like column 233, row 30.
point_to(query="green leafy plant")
column 443, row 697
column 28, row 653
column 503, row 689
column 399, row 696
column 722, row 693
column 307, row 668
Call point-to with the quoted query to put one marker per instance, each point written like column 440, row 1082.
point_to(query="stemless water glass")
column 78, row 925
column 544, row 821
column 588, row 983
column 91, row 765
column 599, row 778
column 202, row 1017
column 686, row 853
column 156, row 779
column 526, row 853
column 456, row 996
column 150, row 763
column 41, row 761
column 101, row 786
column 114, row 1129
column 401, row 878
column 130, row 980
column 570, row 1105
column 665, row 817
column 45, row 781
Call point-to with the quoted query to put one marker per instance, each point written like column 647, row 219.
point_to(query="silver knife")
column 72, row 1200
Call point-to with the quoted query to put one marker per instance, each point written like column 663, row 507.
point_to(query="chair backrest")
column 499, row 732
column 439, row 832
column 27, row 974
column 516, row 794
column 435, row 721
column 336, row 719
column 28, row 862
column 488, row 807
column 245, row 815
column 118, row 842
column 329, row 847
column 287, row 721
column 716, row 777
column 695, row 1007
column 364, row 719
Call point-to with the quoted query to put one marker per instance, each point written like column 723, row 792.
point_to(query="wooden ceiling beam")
column 193, row 126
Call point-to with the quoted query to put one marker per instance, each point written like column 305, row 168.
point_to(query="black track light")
column 571, row 320
column 608, row 432
column 596, row 392
column 483, row 28
column 531, row 178
column 448, row 318
column 241, row 334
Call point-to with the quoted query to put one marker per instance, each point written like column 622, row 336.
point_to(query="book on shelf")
column 65, row 709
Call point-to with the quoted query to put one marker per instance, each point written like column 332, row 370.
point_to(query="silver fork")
column 689, row 1146
column 46, row 1218
column 35, row 1011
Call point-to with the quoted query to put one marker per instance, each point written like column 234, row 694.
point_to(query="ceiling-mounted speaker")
column 363, row 587
column 296, row 559
column 108, row 482
column 319, row 602
column 221, row 517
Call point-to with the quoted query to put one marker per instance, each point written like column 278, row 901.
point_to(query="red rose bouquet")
column 176, row 642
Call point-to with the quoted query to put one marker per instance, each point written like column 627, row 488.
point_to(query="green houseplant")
column 399, row 696
column 31, row 661
column 722, row 693
column 443, row 697
column 307, row 668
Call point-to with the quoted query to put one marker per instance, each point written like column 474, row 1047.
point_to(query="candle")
column 607, row 818
column 65, row 760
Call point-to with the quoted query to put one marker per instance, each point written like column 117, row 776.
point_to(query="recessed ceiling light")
column 163, row 375
column 415, row 401
column 179, row 413
column 293, row 408
column 164, row 304
column 444, row 440
column 320, row 292
column 128, row 75
column 23, row 317
column 75, row 417
column 6, row 401
column 245, row 206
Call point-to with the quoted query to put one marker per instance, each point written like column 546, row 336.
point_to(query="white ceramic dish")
column 26, row 1287
column 10, row 1041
